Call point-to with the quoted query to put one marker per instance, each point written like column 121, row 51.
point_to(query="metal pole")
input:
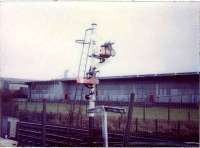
column 82, row 52
column 105, row 128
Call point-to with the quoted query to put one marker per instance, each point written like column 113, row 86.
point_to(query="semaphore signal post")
column 92, row 56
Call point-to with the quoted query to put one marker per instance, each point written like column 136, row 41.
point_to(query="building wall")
column 4, row 85
column 50, row 90
column 17, row 86
column 1, row 84
column 163, row 89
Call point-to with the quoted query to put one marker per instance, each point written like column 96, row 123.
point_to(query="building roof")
column 15, row 80
column 123, row 77
column 151, row 75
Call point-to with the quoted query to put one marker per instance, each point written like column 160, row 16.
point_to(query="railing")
column 31, row 134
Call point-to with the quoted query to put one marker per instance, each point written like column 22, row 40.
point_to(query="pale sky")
column 38, row 38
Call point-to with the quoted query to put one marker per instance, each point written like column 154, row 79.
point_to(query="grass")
column 150, row 112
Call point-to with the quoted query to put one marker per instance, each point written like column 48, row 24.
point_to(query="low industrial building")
column 13, row 87
column 173, row 87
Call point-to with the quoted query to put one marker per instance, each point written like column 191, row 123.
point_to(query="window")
column 139, row 93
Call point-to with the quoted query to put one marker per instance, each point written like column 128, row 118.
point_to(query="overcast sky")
column 37, row 39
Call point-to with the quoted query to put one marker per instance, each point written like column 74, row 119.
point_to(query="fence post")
column 17, row 131
column 189, row 115
column 119, row 121
column 178, row 127
column 57, row 111
column 81, row 120
column 181, row 100
column 27, row 111
column 71, row 117
column 156, row 126
column 26, row 105
column 136, row 125
column 144, row 109
column 44, row 123
column 17, row 111
column 129, row 120
column 168, row 110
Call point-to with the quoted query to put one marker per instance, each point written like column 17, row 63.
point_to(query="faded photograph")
column 99, row 74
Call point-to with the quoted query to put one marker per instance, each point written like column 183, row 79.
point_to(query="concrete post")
column 91, row 115
column 105, row 128
column 129, row 120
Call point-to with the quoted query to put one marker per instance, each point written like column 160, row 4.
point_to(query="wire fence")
column 148, row 117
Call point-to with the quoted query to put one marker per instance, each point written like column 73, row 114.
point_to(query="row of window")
column 140, row 92
column 183, row 98
column 132, row 85
column 44, row 86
